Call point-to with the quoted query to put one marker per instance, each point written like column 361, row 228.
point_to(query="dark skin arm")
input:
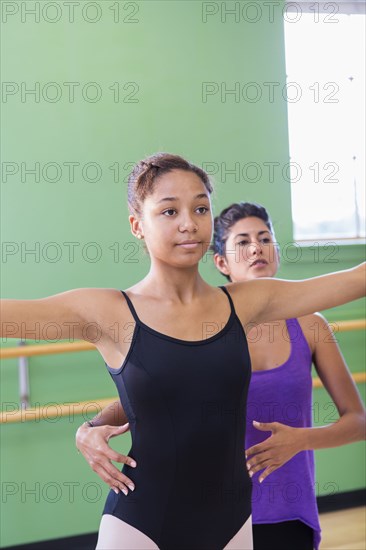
column 285, row 441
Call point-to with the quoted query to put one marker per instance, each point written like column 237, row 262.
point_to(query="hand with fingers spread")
column 92, row 442
column 276, row 450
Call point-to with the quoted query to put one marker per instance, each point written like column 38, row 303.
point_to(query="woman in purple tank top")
column 279, row 438
column 284, row 507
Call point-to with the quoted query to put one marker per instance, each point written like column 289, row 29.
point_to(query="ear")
column 221, row 264
column 136, row 227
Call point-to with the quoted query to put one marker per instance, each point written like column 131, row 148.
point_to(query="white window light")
column 325, row 60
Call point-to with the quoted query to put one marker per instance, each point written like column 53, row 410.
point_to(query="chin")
column 189, row 260
column 258, row 273
column 267, row 272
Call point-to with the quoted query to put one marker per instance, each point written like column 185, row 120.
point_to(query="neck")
column 174, row 283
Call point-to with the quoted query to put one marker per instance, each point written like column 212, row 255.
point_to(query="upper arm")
column 331, row 365
column 266, row 299
column 69, row 315
column 262, row 300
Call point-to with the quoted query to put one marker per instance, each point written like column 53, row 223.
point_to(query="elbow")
column 360, row 425
column 356, row 425
column 363, row 424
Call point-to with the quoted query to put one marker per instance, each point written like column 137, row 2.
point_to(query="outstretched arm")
column 266, row 300
column 59, row 317
column 79, row 314
column 287, row 441
column 92, row 442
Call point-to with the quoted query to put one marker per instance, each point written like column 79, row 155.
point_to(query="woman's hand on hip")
column 92, row 442
column 279, row 448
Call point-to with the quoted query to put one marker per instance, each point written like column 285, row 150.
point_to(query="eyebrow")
column 247, row 234
column 172, row 199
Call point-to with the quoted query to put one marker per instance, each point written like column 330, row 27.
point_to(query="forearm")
column 112, row 415
column 348, row 429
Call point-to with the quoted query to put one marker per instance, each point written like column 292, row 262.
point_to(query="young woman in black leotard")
column 279, row 394
column 183, row 377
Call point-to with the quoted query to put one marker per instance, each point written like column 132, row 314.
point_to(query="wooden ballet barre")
column 23, row 414
column 55, row 410
column 357, row 377
column 81, row 345
column 46, row 349
column 346, row 326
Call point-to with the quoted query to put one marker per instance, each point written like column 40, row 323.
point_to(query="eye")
column 203, row 209
column 169, row 213
column 266, row 240
column 242, row 243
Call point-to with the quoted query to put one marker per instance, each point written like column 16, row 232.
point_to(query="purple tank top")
column 284, row 394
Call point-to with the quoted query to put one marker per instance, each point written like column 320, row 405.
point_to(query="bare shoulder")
column 316, row 329
column 97, row 294
column 103, row 306
column 101, row 299
column 91, row 297
column 245, row 296
column 308, row 322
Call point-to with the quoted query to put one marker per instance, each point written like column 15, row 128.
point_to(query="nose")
column 187, row 224
column 255, row 248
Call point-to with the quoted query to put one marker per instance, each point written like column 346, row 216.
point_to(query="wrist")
column 303, row 439
column 84, row 426
column 80, row 433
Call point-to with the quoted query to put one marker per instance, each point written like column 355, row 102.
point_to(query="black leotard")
column 186, row 405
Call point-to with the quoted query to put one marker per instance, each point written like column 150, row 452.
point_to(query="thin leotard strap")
column 230, row 299
column 136, row 317
column 130, row 305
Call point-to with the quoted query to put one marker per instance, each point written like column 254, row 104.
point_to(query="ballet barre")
column 55, row 410
column 81, row 345
column 46, row 349
column 24, row 413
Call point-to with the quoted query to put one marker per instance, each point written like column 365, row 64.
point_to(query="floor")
column 344, row 530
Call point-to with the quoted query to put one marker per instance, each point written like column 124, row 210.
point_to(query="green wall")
column 158, row 55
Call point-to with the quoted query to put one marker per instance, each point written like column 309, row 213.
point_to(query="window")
column 325, row 60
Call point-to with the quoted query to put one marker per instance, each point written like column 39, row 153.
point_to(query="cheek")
column 273, row 257
column 238, row 269
column 237, row 262
column 206, row 227
column 162, row 236
column 156, row 225
column 242, row 255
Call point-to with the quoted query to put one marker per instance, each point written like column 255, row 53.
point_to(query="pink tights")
column 115, row 534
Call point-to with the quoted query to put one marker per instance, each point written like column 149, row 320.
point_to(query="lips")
column 259, row 263
column 189, row 245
